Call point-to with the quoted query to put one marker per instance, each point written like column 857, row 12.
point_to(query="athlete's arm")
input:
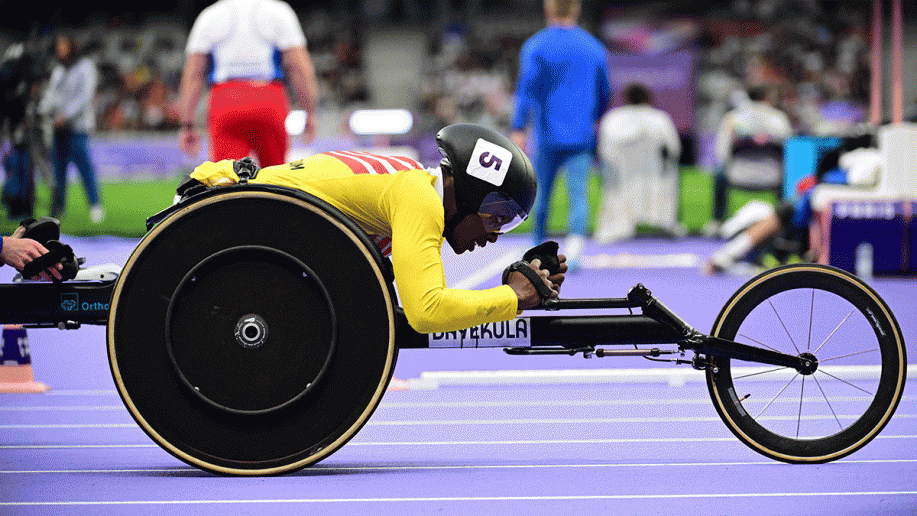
column 193, row 81
column 416, row 216
column 302, row 78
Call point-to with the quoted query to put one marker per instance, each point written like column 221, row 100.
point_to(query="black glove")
column 547, row 253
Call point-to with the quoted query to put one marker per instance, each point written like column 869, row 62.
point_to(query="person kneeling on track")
column 484, row 186
column 784, row 231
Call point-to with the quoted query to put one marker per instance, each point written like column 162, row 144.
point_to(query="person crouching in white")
column 639, row 148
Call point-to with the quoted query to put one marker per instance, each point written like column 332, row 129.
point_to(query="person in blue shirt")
column 561, row 92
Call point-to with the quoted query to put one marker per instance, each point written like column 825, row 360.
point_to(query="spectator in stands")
column 562, row 91
column 69, row 101
column 755, row 120
column 255, row 47
column 639, row 148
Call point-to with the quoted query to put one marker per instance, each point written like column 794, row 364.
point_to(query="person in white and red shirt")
column 249, row 51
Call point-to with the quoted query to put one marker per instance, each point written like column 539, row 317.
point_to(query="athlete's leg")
column 80, row 156
column 271, row 141
column 578, row 166
column 546, row 171
column 60, row 159
column 227, row 121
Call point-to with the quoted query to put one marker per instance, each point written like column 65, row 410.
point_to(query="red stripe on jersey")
column 372, row 159
column 354, row 165
column 384, row 244
column 411, row 164
column 400, row 163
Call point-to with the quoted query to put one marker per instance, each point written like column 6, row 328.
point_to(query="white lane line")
column 490, row 404
column 488, row 271
column 431, row 380
column 469, row 498
column 677, row 440
column 86, row 408
column 84, row 392
column 492, row 422
column 463, row 466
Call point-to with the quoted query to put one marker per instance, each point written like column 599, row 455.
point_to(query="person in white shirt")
column 755, row 120
column 639, row 147
column 248, row 51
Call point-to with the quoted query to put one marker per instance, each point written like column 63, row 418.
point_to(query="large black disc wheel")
column 841, row 403
column 252, row 331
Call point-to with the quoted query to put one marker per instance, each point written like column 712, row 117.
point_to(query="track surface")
column 629, row 448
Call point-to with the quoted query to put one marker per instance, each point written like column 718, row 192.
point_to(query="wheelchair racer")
column 484, row 187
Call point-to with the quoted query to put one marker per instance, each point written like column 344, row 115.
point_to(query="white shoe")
column 712, row 229
column 96, row 213
column 573, row 247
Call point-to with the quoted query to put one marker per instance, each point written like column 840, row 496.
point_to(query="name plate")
column 513, row 333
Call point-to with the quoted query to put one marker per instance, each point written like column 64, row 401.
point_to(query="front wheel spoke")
column 811, row 317
column 835, row 331
column 848, row 355
column 830, row 407
column 777, row 395
column 784, row 325
column 802, row 391
column 760, row 372
column 845, row 381
column 759, row 343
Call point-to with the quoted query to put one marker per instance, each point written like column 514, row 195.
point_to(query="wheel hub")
column 251, row 331
column 808, row 364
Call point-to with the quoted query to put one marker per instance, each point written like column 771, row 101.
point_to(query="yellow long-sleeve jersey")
column 396, row 199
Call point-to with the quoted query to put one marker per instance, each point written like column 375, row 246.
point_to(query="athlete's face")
column 468, row 232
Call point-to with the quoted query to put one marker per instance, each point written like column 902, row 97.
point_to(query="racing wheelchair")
column 244, row 346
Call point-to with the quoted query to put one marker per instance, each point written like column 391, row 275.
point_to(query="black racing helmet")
column 492, row 175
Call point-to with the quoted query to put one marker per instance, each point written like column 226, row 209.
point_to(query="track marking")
column 488, row 271
column 321, row 467
column 644, row 402
column 447, row 443
column 487, row 422
column 468, row 498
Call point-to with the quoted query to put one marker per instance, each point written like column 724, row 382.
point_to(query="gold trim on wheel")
column 901, row 371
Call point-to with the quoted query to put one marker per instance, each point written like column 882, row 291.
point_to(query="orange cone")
column 16, row 367
column 397, row 385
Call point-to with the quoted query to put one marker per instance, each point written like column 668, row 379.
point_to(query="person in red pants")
column 249, row 51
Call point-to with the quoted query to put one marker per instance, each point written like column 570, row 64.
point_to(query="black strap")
column 57, row 253
column 246, row 169
column 537, row 281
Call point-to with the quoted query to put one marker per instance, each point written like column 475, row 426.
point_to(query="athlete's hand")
column 526, row 293
column 558, row 278
column 189, row 141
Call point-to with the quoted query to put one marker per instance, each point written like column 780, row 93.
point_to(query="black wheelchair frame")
column 250, row 375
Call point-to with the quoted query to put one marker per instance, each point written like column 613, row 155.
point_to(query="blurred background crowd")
column 450, row 61
column 813, row 54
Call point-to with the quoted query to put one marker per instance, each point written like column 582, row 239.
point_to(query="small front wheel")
column 818, row 415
